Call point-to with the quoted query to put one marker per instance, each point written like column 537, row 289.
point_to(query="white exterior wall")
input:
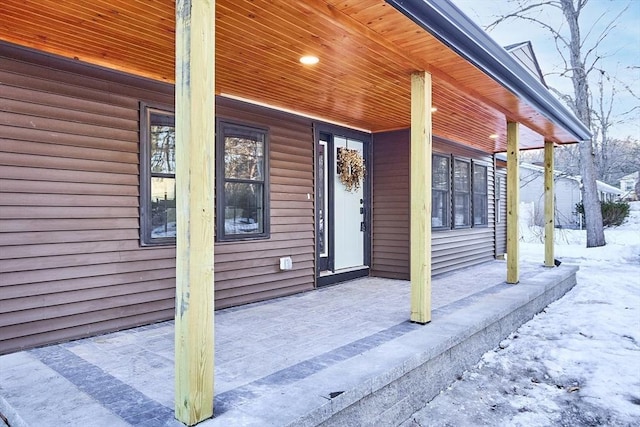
column 567, row 195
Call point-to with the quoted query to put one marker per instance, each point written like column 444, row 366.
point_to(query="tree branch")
column 520, row 13
column 603, row 35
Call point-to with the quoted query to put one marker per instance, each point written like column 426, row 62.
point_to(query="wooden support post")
column 195, row 161
column 549, row 206
column 421, row 142
column 513, row 202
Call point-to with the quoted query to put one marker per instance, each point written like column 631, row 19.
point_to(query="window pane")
column 480, row 202
column 163, row 144
column 440, row 173
column 461, row 176
column 244, row 210
column 479, row 209
column 163, row 207
column 480, row 179
column 461, row 197
column 439, row 209
column 461, row 209
column 244, row 156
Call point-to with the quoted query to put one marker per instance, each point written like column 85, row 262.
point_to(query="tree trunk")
column 591, row 204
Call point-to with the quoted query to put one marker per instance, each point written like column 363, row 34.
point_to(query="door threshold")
column 343, row 270
column 332, row 277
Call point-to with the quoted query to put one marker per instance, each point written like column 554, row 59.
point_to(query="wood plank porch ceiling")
column 367, row 52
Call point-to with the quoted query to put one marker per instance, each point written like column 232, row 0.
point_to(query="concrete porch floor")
column 341, row 355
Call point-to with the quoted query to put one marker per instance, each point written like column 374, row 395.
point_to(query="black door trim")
column 329, row 130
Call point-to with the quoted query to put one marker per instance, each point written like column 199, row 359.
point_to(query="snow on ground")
column 575, row 364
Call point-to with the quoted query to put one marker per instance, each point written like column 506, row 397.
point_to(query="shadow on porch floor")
column 342, row 355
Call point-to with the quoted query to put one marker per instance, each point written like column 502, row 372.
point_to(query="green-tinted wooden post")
column 195, row 158
column 549, row 207
column 421, row 142
column 513, row 202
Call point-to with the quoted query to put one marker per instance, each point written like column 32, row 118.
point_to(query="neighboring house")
column 88, row 168
column 629, row 185
column 607, row 193
column 567, row 195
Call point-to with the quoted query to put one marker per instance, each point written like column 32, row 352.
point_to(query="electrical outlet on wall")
column 286, row 263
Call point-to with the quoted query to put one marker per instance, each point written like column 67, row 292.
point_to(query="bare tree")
column 579, row 61
column 615, row 157
column 566, row 158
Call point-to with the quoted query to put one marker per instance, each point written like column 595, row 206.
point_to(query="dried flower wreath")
column 350, row 168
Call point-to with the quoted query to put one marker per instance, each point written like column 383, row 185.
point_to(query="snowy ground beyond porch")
column 575, row 364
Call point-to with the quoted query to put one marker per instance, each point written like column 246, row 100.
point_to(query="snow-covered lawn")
column 575, row 364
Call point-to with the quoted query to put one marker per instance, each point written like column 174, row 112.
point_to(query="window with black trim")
column 461, row 193
column 242, row 204
column 157, row 176
column 480, row 196
column 440, row 198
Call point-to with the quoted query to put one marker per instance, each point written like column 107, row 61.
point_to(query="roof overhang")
column 367, row 52
column 448, row 24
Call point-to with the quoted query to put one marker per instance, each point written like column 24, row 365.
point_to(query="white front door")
column 342, row 215
column 348, row 213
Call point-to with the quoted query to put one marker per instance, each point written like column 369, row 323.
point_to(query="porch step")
column 384, row 379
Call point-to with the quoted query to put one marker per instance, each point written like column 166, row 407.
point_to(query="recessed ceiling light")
column 494, row 136
column 309, row 60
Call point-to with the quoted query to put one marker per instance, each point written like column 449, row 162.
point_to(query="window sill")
column 157, row 244
column 243, row 239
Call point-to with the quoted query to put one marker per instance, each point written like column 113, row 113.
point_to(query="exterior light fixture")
column 494, row 136
column 434, row 109
column 309, row 60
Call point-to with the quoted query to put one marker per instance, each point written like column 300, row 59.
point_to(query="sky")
column 620, row 50
column 576, row 362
